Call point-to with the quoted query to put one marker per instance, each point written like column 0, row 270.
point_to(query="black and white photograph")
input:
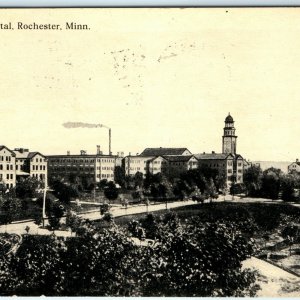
column 150, row 152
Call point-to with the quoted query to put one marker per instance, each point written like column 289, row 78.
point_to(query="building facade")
column 93, row 166
column 7, row 167
column 228, row 163
column 30, row 164
column 177, row 164
column 294, row 167
column 157, row 160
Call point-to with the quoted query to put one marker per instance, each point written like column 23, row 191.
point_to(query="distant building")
column 165, row 151
column 134, row 164
column 94, row 166
column 157, row 160
column 228, row 163
column 177, row 164
column 294, row 167
column 7, row 167
column 33, row 164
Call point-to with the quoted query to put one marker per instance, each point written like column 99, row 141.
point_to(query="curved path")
column 274, row 281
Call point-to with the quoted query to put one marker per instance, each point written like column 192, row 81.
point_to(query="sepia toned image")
column 150, row 152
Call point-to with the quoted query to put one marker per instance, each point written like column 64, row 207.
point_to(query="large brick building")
column 94, row 166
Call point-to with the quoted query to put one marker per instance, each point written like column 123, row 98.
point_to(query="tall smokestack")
column 98, row 150
column 109, row 137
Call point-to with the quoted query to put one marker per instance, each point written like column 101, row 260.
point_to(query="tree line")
column 272, row 183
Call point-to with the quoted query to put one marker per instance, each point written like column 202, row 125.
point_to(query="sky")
column 156, row 77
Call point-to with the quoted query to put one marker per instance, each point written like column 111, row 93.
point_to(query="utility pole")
column 44, row 201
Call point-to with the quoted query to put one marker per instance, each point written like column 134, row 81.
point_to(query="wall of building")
column 7, row 168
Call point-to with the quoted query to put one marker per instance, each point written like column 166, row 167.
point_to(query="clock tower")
column 229, row 137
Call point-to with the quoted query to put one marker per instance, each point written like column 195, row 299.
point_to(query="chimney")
column 129, row 153
column 82, row 152
column 137, row 154
column 203, row 152
column 212, row 152
column 68, row 152
column 98, row 150
column 297, row 160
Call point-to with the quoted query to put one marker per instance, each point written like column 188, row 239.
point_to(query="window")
column 7, row 176
column 17, row 167
column 229, row 171
column 7, row 167
column 11, row 176
column 11, row 167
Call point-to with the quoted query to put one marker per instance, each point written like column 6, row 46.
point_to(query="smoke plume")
column 83, row 125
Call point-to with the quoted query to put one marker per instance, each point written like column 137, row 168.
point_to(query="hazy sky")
column 157, row 77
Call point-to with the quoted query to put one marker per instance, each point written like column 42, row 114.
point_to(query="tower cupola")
column 229, row 138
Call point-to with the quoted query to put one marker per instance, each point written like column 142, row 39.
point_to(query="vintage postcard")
column 150, row 152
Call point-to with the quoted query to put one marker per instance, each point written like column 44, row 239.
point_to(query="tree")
column 271, row 183
column 11, row 209
column 27, row 188
column 289, row 184
column 63, row 191
column 72, row 220
column 138, row 179
column 253, row 180
column 111, row 192
column 55, row 212
column 102, row 184
column 119, row 175
column 202, row 260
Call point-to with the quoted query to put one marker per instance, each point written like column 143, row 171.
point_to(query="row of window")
column 63, row 168
column 81, row 160
column 36, row 168
column 8, row 176
column 106, row 168
column 8, row 167
column 7, row 158
column 105, row 175
column 40, row 160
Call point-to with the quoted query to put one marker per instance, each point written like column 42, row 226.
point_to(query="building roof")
column 295, row 162
column 229, row 119
column 80, row 156
column 163, row 151
column 213, row 156
column 24, row 153
column 179, row 158
column 4, row 147
column 33, row 154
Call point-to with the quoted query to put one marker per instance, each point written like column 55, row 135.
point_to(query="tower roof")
column 229, row 119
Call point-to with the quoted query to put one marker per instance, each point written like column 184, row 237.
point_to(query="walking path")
column 274, row 281
column 19, row 227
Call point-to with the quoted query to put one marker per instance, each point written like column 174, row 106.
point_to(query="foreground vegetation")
column 191, row 258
